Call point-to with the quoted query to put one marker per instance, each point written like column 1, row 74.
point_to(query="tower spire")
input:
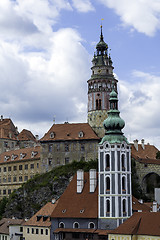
column 101, row 36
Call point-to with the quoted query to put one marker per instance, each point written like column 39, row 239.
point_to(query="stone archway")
column 149, row 183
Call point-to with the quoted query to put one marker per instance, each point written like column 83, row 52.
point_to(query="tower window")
column 124, row 207
column 107, row 162
column 98, row 104
column 123, row 185
column 107, row 208
column 123, row 162
column 107, row 185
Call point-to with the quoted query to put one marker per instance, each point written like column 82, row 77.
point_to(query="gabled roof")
column 43, row 214
column 6, row 222
column 137, row 206
column 20, row 154
column 77, row 205
column 70, row 131
column 149, row 152
column 26, row 135
column 144, row 223
column 7, row 129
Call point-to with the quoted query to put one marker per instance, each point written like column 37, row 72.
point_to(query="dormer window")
column 81, row 134
column 14, row 157
column 33, row 154
column 52, row 135
column 22, row 155
column 6, row 158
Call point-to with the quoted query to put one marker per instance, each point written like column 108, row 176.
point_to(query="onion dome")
column 114, row 123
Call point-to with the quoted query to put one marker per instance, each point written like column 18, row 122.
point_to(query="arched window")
column 61, row 225
column 107, row 162
column 107, row 208
column 98, row 104
column 123, row 162
column 76, row 225
column 107, row 185
column 91, row 225
column 123, row 185
column 124, row 207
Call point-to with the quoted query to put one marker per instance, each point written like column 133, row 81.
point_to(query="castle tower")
column 114, row 157
column 99, row 87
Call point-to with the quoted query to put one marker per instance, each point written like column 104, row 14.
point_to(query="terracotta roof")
column 26, row 135
column 144, row 223
column 137, row 206
column 70, row 131
column 77, row 205
column 149, row 152
column 43, row 214
column 5, row 222
column 20, row 154
column 149, row 161
column 7, row 129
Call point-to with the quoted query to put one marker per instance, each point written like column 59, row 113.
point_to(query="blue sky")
column 46, row 48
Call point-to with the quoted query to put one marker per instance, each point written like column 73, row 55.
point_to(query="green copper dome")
column 114, row 124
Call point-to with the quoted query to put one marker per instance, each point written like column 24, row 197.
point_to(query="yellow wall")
column 34, row 236
column 132, row 237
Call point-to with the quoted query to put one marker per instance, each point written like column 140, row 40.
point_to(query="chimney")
column 142, row 143
column 80, row 180
column 154, row 207
column 92, row 180
column 37, row 137
column 136, row 144
column 1, row 117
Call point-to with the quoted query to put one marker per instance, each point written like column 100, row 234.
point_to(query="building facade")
column 99, row 87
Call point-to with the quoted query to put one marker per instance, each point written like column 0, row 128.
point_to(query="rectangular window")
column 14, row 168
column 25, row 178
column 14, row 179
column 58, row 147
column 50, row 148
column 46, row 231
column 20, row 179
column 37, row 231
column 5, row 144
column 20, row 167
column 66, row 147
column 4, row 180
column 32, row 230
column 27, row 230
column 21, row 229
column 37, row 165
column 9, row 179
column 41, row 230
column 32, row 165
column 9, row 169
column 4, row 191
column 50, row 161
column 0, row 169
column 9, row 191
column 26, row 166
column 82, row 147
column 67, row 160
column 4, row 169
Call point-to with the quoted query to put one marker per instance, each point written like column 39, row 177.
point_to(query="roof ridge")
column 136, row 228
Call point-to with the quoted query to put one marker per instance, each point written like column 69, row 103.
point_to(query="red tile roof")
column 26, row 135
column 7, row 129
column 149, row 152
column 144, row 223
column 137, row 206
column 77, row 205
column 5, row 222
column 20, row 154
column 70, row 131
column 45, row 211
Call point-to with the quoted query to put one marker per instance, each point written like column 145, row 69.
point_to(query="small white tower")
column 115, row 199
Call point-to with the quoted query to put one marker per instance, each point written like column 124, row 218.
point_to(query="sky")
column 46, row 48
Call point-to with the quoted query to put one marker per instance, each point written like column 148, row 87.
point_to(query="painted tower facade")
column 114, row 157
column 99, row 87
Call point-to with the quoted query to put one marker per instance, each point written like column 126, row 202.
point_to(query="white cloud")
column 142, row 15
column 40, row 69
column 83, row 5
column 139, row 106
